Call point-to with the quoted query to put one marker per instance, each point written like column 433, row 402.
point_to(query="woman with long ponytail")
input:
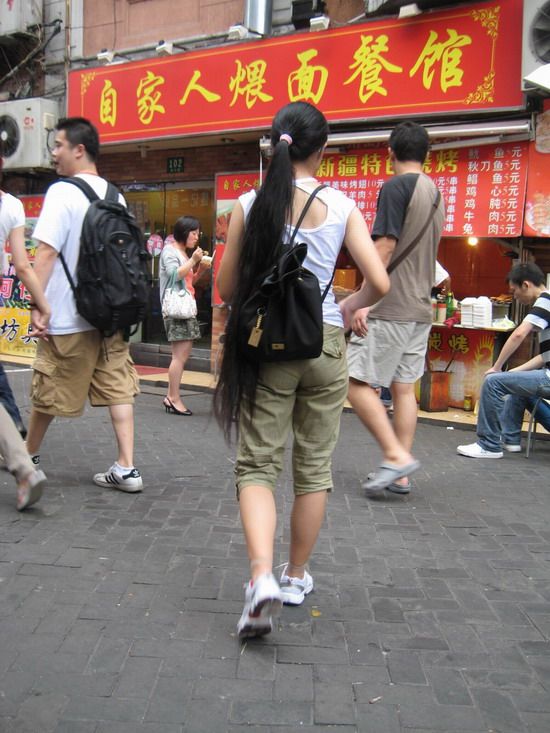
column 264, row 402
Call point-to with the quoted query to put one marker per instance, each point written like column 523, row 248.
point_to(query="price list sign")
column 483, row 187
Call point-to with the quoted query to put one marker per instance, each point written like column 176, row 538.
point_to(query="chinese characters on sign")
column 447, row 61
column 14, row 297
column 229, row 186
column 472, row 353
column 483, row 187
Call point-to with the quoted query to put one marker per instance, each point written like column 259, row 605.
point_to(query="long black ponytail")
column 298, row 130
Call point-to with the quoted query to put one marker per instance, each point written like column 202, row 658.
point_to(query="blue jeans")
column 501, row 418
column 8, row 400
column 385, row 396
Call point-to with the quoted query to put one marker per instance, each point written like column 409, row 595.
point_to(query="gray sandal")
column 387, row 474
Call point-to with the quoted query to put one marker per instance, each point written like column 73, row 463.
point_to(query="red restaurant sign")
column 464, row 59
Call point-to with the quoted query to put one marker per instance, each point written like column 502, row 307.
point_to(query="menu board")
column 483, row 187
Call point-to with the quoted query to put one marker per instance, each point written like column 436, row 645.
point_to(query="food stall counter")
column 466, row 353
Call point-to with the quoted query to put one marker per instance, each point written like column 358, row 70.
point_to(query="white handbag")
column 178, row 301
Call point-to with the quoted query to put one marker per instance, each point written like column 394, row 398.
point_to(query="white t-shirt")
column 12, row 216
column 60, row 225
column 323, row 242
column 440, row 274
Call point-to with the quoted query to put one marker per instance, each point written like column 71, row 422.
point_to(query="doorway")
column 157, row 206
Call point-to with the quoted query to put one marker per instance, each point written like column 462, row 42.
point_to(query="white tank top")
column 323, row 242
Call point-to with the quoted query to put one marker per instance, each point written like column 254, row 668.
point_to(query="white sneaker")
column 31, row 490
column 294, row 590
column 130, row 482
column 474, row 450
column 262, row 599
column 512, row 447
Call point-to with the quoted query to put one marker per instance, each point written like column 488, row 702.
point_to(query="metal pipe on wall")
column 258, row 16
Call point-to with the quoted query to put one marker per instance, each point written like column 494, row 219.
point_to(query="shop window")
column 157, row 208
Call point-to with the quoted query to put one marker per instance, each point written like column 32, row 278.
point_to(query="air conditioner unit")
column 536, row 36
column 282, row 12
column 25, row 126
column 17, row 17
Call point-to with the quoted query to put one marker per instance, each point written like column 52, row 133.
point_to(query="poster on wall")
column 466, row 354
column 537, row 207
column 14, row 297
column 229, row 186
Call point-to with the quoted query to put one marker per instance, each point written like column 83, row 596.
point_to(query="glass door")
column 157, row 208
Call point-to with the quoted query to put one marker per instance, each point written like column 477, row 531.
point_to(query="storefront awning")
column 442, row 136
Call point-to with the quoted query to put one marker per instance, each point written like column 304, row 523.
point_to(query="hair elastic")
column 286, row 138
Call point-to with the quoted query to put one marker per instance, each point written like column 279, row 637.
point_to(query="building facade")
column 182, row 94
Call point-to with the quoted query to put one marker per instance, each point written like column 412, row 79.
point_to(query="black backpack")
column 282, row 319
column 112, row 289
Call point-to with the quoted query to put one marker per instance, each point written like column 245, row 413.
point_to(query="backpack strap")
column 308, row 203
column 91, row 195
column 84, row 186
column 112, row 193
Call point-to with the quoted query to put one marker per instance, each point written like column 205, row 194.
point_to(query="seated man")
column 511, row 419
column 500, row 420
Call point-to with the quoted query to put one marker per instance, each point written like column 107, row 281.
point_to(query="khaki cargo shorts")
column 69, row 368
column 390, row 352
column 307, row 396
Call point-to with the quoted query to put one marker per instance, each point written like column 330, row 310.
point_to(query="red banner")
column 465, row 59
column 483, row 187
column 229, row 186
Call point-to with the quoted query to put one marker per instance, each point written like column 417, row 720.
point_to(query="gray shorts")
column 390, row 352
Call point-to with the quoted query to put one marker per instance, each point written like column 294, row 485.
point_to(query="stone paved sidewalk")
column 117, row 613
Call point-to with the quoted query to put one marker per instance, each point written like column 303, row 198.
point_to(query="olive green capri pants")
column 307, row 396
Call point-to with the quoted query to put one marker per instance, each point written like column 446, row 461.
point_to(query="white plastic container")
column 476, row 312
column 467, row 312
column 483, row 312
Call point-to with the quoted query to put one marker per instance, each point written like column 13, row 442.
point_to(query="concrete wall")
column 201, row 164
column 66, row 45
column 128, row 24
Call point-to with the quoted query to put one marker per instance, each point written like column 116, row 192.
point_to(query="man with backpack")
column 76, row 359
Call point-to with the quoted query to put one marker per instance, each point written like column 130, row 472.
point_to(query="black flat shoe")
column 170, row 407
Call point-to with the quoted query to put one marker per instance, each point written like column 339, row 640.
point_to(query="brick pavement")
column 117, row 613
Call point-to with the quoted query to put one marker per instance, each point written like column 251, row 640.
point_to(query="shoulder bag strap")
column 418, row 237
column 308, row 203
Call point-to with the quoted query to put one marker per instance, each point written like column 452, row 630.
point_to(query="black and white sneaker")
column 130, row 482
